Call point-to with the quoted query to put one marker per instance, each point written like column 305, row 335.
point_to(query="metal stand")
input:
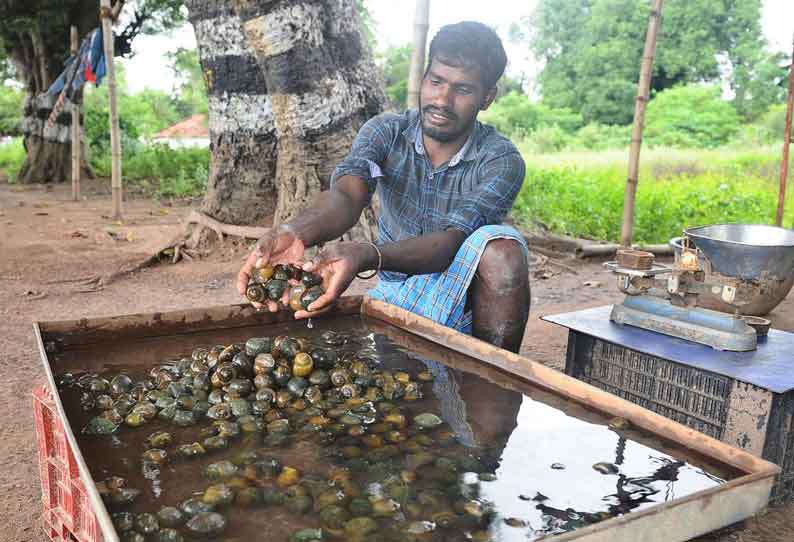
column 718, row 330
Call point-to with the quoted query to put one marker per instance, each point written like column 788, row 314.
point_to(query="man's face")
column 449, row 101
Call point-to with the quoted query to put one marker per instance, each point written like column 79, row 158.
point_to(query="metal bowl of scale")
column 749, row 252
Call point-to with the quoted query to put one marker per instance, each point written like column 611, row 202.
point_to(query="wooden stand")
column 416, row 71
column 105, row 14
column 643, row 88
column 781, row 199
column 75, row 127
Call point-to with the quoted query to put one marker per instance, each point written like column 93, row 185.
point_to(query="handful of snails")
column 269, row 283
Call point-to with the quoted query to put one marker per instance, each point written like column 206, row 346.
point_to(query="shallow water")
column 533, row 451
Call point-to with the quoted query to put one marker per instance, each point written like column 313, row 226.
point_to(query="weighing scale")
column 717, row 372
column 736, row 262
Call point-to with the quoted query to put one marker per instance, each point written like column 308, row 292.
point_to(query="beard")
column 440, row 135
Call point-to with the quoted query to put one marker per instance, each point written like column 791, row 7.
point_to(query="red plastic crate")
column 66, row 510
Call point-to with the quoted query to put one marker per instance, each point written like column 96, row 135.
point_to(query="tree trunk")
column 324, row 86
column 49, row 148
column 38, row 56
column 241, row 187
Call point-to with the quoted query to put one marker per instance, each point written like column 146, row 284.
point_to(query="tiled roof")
column 195, row 126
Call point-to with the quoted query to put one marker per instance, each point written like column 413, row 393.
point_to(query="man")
column 445, row 183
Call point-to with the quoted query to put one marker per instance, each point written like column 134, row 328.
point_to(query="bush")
column 768, row 129
column 11, row 100
column 693, row 189
column 548, row 139
column 598, row 137
column 11, row 157
column 690, row 116
column 515, row 116
column 166, row 172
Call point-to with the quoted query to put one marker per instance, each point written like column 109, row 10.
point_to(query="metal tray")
column 677, row 520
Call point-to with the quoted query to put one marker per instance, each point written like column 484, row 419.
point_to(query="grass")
column 161, row 171
column 11, row 157
column 156, row 170
column 581, row 193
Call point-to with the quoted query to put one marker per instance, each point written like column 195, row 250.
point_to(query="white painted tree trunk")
column 323, row 85
column 241, row 187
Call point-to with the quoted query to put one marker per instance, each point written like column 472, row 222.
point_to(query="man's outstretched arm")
column 332, row 213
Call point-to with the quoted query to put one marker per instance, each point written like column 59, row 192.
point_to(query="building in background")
column 191, row 132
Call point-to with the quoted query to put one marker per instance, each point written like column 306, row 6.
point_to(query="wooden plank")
column 568, row 387
column 70, row 333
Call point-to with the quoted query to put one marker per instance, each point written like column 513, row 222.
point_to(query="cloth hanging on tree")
column 87, row 65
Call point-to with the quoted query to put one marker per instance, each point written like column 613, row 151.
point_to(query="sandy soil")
column 47, row 240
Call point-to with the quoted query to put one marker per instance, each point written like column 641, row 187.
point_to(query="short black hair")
column 470, row 44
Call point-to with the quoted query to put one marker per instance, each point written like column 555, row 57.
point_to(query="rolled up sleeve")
column 368, row 152
column 500, row 180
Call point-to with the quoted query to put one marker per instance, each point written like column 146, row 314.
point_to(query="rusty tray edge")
column 751, row 491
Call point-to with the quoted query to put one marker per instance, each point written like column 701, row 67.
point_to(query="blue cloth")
column 476, row 188
column 441, row 297
column 89, row 64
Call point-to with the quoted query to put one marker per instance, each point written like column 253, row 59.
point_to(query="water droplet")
column 309, row 323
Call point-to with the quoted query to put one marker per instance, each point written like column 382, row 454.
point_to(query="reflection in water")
column 485, row 473
column 531, row 445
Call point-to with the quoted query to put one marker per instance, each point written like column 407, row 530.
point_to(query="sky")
column 149, row 66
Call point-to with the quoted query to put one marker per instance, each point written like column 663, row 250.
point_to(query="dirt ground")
column 46, row 241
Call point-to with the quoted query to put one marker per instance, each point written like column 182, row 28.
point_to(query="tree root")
column 182, row 247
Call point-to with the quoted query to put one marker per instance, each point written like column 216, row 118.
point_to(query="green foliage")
column 592, row 51
column 11, row 157
column 396, row 62
column 599, row 137
column 548, row 138
column 157, row 169
column 516, row 116
column 508, row 85
column 163, row 171
column 760, row 84
column 157, row 16
column 141, row 115
column 676, row 191
column 191, row 91
column 7, row 70
column 11, row 101
column 766, row 129
column 367, row 22
column 690, row 116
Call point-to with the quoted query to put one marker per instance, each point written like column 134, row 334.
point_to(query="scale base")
column 718, row 330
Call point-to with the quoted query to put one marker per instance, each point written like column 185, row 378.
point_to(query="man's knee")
column 503, row 265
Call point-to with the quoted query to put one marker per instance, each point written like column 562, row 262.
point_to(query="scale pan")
column 746, row 250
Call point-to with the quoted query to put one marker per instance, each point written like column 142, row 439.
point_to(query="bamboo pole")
column 643, row 88
column 416, row 71
column 105, row 13
column 781, row 197
column 75, row 124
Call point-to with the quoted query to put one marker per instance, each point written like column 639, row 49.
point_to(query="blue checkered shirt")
column 477, row 187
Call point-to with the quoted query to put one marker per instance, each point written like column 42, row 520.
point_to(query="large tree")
column 290, row 83
column 241, row 187
column 35, row 36
column 592, row 51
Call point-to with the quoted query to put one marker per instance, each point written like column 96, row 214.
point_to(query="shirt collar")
column 467, row 152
